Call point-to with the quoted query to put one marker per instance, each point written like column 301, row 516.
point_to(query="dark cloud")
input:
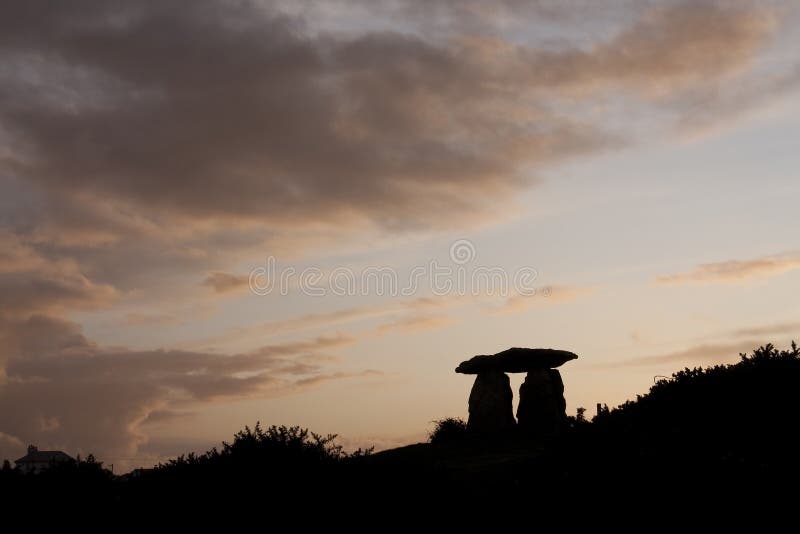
column 167, row 416
column 234, row 110
column 31, row 282
column 28, row 291
column 62, row 389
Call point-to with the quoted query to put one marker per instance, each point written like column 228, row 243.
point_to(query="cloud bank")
column 234, row 111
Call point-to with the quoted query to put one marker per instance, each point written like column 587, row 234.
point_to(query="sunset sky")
column 638, row 158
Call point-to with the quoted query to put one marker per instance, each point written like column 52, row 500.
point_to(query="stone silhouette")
column 516, row 360
column 542, row 408
column 490, row 407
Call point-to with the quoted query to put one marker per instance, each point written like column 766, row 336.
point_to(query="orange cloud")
column 705, row 354
column 415, row 323
column 322, row 378
column 733, row 271
column 226, row 282
column 768, row 330
column 543, row 296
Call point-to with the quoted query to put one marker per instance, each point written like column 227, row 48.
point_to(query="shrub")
column 448, row 430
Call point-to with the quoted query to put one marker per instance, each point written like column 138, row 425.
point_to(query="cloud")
column 226, row 282
column 768, row 330
column 162, row 416
column 317, row 320
column 31, row 282
column 706, row 109
column 733, row 271
column 666, row 50
column 415, row 323
column 26, row 292
column 322, row 378
column 268, row 121
column 311, row 321
column 62, row 390
column 147, row 319
column 714, row 352
column 703, row 354
column 543, row 296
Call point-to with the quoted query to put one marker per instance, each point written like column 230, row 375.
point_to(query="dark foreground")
column 722, row 441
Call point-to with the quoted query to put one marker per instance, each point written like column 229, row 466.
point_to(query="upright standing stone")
column 490, row 407
column 542, row 408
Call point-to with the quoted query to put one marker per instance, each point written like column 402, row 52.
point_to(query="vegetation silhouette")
column 61, row 485
column 448, row 430
column 703, row 435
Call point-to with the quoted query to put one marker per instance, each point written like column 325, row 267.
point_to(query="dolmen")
column 542, row 408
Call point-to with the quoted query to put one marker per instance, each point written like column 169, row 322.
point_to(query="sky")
column 214, row 213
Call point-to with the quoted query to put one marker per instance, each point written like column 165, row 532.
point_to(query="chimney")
column 32, row 449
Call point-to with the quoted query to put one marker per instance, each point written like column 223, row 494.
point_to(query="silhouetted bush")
column 702, row 433
column 272, row 465
column 275, row 447
column 447, row 430
column 748, row 407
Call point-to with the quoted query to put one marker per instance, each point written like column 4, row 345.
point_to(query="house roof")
column 44, row 457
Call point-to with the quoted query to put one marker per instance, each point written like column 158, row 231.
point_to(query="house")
column 37, row 461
